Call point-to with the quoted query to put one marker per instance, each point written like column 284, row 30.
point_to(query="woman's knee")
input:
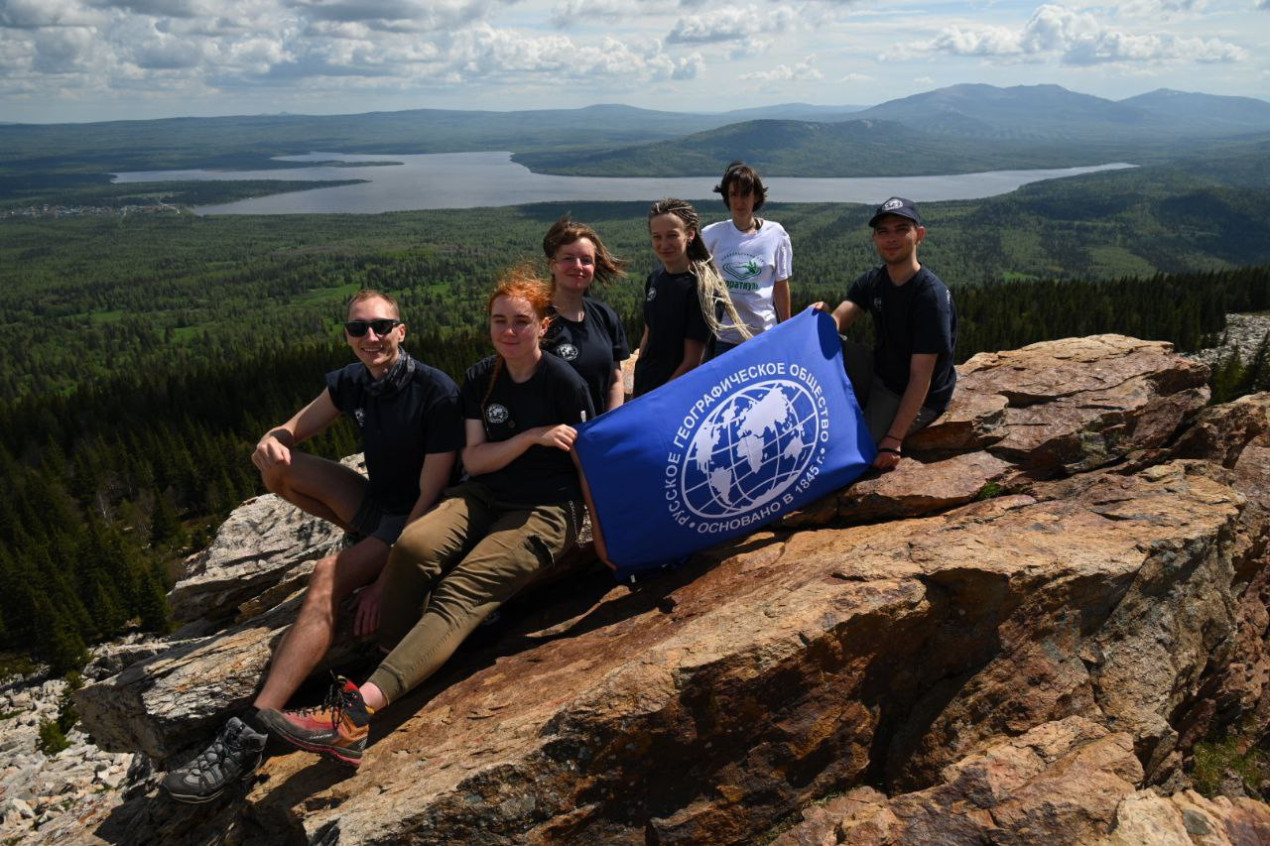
column 426, row 544
column 408, row 563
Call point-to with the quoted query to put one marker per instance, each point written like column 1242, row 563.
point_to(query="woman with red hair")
column 519, row 510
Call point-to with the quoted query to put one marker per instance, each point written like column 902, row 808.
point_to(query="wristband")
column 888, row 449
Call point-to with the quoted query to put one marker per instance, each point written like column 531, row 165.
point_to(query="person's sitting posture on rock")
column 494, row 534
column 411, row 428
column 907, row 379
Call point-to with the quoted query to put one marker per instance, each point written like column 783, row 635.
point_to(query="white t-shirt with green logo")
column 751, row 265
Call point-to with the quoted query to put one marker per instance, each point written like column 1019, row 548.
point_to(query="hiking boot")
column 233, row 756
column 338, row 729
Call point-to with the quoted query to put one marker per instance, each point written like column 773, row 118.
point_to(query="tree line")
column 103, row 487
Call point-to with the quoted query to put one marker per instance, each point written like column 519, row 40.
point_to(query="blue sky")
column 83, row 60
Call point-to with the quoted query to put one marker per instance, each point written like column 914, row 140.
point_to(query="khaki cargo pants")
column 451, row 568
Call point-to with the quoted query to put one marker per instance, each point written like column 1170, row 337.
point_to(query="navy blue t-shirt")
column 672, row 314
column 554, row 394
column 917, row 317
column 593, row 346
column 399, row 427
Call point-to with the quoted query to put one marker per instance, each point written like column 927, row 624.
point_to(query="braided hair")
column 712, row 291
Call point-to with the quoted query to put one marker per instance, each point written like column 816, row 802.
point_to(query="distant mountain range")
column 961, row 128
column 955, row 129
column 1047, row 110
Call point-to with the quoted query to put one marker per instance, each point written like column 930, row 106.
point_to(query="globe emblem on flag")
column 752, row 447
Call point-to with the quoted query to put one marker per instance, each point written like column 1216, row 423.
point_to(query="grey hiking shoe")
column 233, row 756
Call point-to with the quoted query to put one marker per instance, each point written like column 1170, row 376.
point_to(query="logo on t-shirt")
column 496, row 413
column 567, row 351
column 360, row 416
column 652, row 293
column 740, row 267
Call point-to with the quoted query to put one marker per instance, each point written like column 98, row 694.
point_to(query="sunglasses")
column 382, row 326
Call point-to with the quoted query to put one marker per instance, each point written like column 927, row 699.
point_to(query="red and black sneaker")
column 338, row 729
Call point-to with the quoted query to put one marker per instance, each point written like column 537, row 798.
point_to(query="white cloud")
column 165, row 52
column 989, row 41
column 1156, row 7
column 573, row 14
column 800, row 72
column 257, row 55
column 16, row 53
column 62, row 50
column 1080, row 38
column 158, row 8
column 687, row 67
column 731, row 24
column 484, row 53
column 397, row 15
column 32, row 14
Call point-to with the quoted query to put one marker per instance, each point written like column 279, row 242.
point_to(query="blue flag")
column 760, row 431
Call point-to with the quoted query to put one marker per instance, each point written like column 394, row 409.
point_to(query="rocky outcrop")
column 1018, row 636
column 47, row 795
column 1069, row 781
column 266, row 541
column 1242, row 336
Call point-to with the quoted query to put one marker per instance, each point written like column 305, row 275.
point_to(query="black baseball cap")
column 897, row 206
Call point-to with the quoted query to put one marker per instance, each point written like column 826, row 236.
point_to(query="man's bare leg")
column 306, row 642
column 333, row 492
column 323, row 488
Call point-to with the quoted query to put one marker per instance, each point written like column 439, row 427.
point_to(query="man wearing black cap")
column 906, row 381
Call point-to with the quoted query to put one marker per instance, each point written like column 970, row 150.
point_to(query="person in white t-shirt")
column 753, row 255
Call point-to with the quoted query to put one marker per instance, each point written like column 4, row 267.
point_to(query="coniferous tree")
column 1258, row 378
column 1229, row 379
column 165, row 523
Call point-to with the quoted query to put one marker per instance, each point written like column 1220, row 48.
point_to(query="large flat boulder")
column 170, row 704
column 259, row 544
column 1069, row 405
column 1049, row 409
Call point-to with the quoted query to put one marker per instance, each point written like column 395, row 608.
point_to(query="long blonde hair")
column 712, row 291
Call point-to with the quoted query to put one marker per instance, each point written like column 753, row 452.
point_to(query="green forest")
column 143, row 355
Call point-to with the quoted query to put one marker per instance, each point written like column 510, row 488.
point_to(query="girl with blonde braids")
column 682, row 298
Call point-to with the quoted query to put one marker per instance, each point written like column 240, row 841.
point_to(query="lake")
column 470, row 180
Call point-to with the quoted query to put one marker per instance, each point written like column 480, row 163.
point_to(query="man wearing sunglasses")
column 412, row 429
